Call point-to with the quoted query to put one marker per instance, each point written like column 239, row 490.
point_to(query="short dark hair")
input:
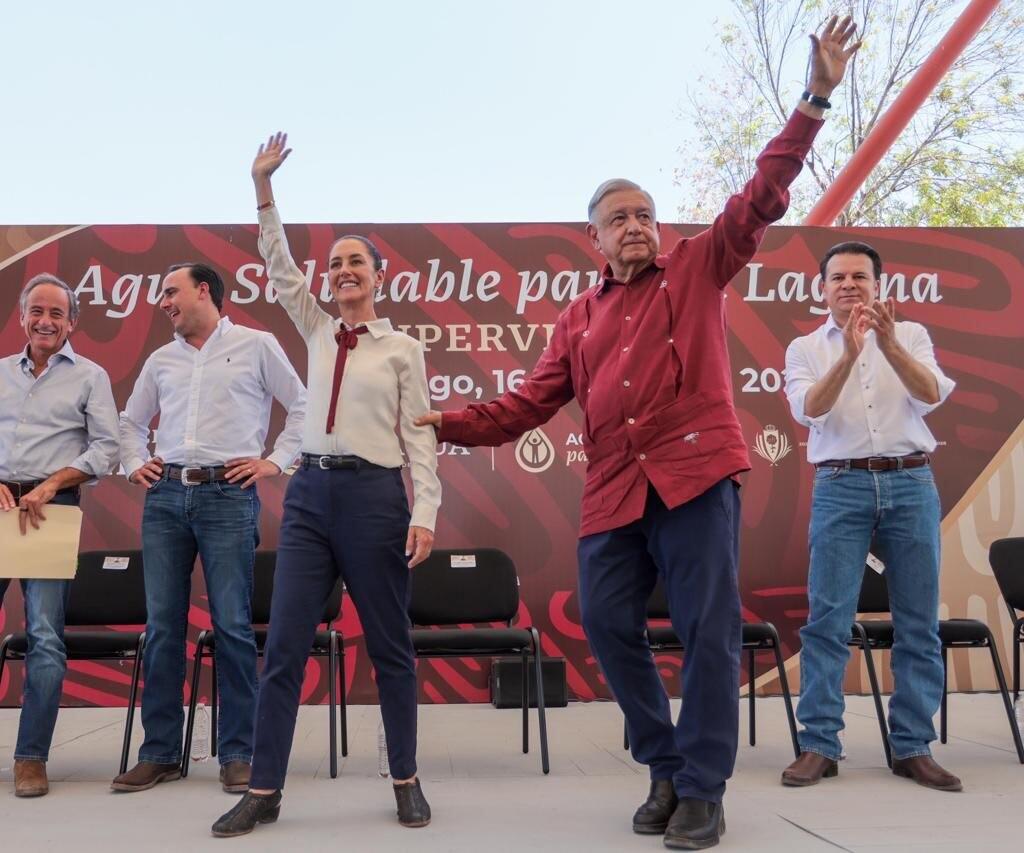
column 202, row 274
column 378, row 262
column 853, row 247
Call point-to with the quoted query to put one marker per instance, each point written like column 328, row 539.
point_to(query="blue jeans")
column 46, row 660
column 897, row 514
column 220, row 523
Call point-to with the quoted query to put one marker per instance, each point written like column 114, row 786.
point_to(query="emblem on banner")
column 535, row 452
column 772, row 445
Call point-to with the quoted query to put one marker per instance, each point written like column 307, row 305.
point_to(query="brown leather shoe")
column 145, row 775
column 234, row 777
column 30, row 779
column 809, row 769
column 924, row 770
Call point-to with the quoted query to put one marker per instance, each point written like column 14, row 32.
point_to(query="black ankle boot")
column 652, row 817
column 696, row 824
column 250, row 810
column 412, row 805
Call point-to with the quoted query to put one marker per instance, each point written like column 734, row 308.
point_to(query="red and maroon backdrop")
column 483, row 299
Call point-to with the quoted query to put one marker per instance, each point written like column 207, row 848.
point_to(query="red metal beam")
column 899, row 114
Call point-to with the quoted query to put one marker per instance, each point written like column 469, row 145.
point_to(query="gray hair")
column 50, row 278
column 614, row 185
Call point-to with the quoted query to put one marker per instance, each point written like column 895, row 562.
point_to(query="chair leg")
column 1001, row 680
column 343, row 705
column 525, row 693
column 875, row 692
column 541, row 717
column 943, row 708
column 625, row 734
column 1018, row 640
column 787, row 697
column 132, row 694
column 214, row 704
column 332, row 690
column 750, row 697
column 197, row 662
column 3, row 654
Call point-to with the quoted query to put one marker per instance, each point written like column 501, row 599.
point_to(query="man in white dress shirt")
column 213, row 387
column 863, row 383
column 58, row 429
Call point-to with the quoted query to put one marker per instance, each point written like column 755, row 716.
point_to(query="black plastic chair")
column 1006, row 557
column 756, row 637
column 876, row 635
column 480, row 587
column 327, row 643
column 101, row 597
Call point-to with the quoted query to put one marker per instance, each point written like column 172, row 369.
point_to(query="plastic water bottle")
column 1018, row 712
column 842, row 745
column 382, row 752
column 201, row 734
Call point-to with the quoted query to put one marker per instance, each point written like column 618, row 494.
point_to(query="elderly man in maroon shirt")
column 645, row 355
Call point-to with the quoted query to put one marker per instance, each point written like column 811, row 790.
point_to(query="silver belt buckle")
column 186, row 473
column 320, row 462
column 881, row 459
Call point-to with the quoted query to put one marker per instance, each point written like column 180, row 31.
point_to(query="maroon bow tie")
column 347, row 339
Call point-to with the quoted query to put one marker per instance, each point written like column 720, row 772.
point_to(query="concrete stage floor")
column 486, row 795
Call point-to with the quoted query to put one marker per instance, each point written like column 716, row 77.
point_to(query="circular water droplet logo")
column 535, row 452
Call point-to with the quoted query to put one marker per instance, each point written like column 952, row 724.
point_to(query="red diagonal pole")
column 899, row 114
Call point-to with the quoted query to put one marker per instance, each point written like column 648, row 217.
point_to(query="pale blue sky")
column 130, row 112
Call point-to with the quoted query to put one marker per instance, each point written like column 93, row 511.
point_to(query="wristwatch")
column 816, row 100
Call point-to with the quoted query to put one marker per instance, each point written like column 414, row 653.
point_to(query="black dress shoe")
column 413, row 809
column 652, row 817
column 250, row 810
column 695, row 824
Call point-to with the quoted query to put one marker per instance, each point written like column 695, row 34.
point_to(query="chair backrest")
column 657, row 604
column 1006, row 557
column 108, row 589
column 263, row 591
column 874, row 593
column 465, row 585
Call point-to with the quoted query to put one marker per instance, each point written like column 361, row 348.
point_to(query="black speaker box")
column 507, row 683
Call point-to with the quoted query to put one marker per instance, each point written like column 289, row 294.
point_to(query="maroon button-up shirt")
column 648, row 361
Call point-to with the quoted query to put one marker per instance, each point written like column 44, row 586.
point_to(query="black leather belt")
column 339, row 463
column 879, row 463
column 194, row 475
column 26, row 486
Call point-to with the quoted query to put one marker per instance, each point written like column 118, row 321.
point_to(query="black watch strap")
column 816, row 101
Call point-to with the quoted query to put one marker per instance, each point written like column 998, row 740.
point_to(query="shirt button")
column 630, row 420
column 625, row 349
column 670, row 340
column 628, row 317
column 643, row 456
column 585, row 332
column 664, row 284
column 626, row 383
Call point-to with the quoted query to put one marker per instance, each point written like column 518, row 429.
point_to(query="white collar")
column 377, row 328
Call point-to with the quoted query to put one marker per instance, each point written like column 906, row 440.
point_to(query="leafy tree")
column 959, row 162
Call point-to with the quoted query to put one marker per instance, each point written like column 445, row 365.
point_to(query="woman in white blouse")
column 345, row 510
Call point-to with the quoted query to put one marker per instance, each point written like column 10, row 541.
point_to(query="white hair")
column 614, row 185
column 50, row 278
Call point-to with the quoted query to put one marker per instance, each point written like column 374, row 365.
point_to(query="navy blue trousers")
column 693, row 549
column 352, row 524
